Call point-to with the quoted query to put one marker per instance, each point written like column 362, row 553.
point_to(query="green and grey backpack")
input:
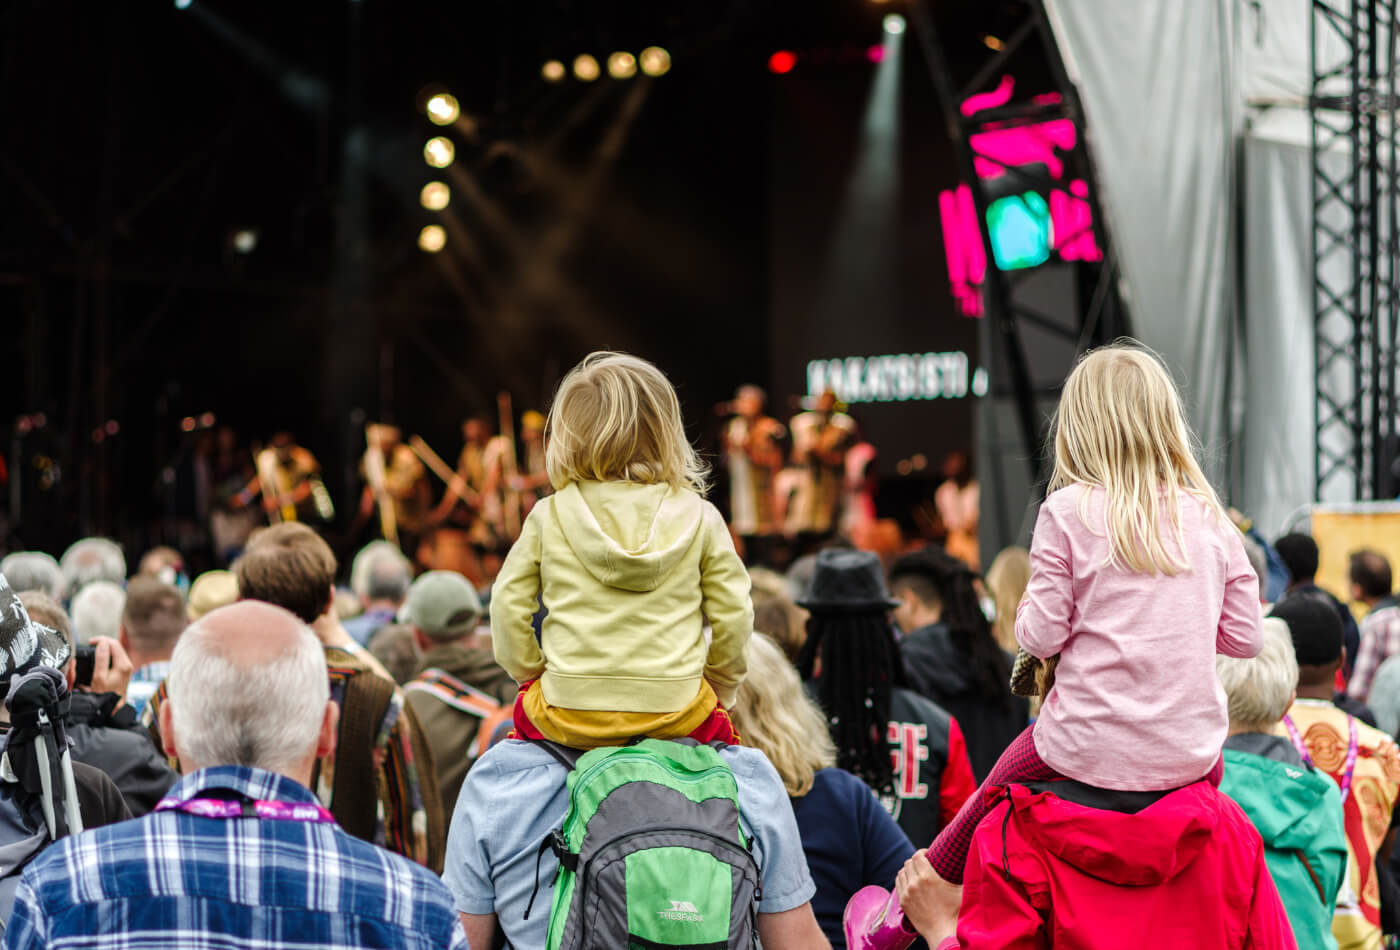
column 651, row 852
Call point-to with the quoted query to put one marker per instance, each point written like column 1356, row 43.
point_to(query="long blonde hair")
column 1120, row 427
column 1007, row 579
column 616, row 418
column 775, row 715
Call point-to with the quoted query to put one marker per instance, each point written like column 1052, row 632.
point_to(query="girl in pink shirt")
column 1138, row 579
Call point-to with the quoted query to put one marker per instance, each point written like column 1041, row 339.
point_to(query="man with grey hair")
column 240, row 853
column 97, row 612
column 92, row 559
column 1296, row 809
column 459, row 690
column 33, row 570
column 379, row 576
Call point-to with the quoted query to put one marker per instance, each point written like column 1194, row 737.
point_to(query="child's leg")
column 716, row 727
column 524, row 728
column 1020, row 762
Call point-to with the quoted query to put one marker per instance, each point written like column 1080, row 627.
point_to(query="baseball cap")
column 442, row 604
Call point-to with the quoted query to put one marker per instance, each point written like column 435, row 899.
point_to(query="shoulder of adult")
column 922, row 708
column 100, row 802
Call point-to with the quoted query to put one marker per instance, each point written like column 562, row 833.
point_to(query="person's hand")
column 930, row 903
column 111, row 667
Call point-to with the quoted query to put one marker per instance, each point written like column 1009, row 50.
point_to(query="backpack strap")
column 562, row 754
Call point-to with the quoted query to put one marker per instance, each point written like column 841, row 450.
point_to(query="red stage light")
column 782, row 62
column 876, row 53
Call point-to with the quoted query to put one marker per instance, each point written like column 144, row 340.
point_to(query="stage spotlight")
column 876, row 53
column 432, row 238
column 553, row 71
column 443, row 109
column 439, row 152
column 894, row 24
column 782, row 62
column 245, row 240
column 435, row 196
column 183, row 4
column 655, row 61
column 622, row 65
column 586, row 68
column 993, row 43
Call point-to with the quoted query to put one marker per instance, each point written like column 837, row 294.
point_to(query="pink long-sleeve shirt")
column 1136, row 704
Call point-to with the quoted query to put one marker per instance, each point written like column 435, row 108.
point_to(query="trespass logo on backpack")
column 683, row 911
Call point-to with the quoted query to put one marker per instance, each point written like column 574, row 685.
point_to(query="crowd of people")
column 1151, row 725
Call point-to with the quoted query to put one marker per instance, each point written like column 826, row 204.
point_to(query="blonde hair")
column 775, row 715
column 616, row 418
column 1007, row 579
column 774, row 612
column 1120, row 427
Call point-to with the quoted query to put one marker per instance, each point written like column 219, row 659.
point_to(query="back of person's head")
column 1298, row 552
column 1316, row 629
column 154, row 617
column 163, row 563
column 850, row 633
column 27, row 643
column 291, row 566
column 775, row 613
column 775, row 715
column 89, row 560
column 616, row 417
column 247, row 687
column 43, row 609
column 1007, row 579
column 935, row 577
column 1369, row 571
column 395, row 647
column 33, row 570
column 380, row 572
column 210, row 591
column 1259, row 690
column 1120, row 427
column 97, row 611
column 443, row 606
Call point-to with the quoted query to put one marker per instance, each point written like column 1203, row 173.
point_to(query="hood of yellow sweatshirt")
column 628, row 536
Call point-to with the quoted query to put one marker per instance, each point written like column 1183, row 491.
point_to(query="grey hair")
column 33, row 570
column 381, row 572
column 265, row 714
column 1260, row 690
column 97, row 611
column 92, row 559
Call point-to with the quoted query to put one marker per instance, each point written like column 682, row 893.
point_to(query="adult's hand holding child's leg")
column 930, row 903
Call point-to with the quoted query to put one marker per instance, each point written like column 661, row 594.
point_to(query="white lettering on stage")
column 898, row 378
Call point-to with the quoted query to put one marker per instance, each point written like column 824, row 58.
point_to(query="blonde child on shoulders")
column 1138, row 579
column 629, row 560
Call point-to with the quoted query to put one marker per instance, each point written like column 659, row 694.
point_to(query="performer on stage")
column 958, row 501
column 396, row 483
column 288, row 478
column 532, row 483
column 481, row 466
column 753, row 454
column 820, row 439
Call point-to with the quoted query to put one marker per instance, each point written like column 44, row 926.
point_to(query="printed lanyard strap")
column 1352, row 746
column 249, row 808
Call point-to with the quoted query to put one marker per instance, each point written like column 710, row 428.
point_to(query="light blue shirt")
column 515, row 795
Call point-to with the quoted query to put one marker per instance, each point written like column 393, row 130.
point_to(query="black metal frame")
column 1355, row 198
column 1099, row 310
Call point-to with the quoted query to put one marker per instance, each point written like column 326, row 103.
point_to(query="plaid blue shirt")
column 172, row 879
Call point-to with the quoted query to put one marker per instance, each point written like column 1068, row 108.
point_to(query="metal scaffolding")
column 1354, row 251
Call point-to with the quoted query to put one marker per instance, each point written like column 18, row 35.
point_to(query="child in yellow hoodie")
column 629, row 559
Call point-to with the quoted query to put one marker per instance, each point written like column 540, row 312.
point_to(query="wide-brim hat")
column 847, row 581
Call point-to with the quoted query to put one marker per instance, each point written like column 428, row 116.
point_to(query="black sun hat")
column 847, row 581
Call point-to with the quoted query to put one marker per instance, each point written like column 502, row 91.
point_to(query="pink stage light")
column 876, row 53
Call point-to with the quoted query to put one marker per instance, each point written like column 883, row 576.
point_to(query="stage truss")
column 1355, row 196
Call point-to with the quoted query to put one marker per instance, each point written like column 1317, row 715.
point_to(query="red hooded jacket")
column 1185, row 871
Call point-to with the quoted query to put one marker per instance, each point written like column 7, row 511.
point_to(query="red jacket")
column 1185, row 871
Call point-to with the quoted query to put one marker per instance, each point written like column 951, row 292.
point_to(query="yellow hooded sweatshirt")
column 625, row 570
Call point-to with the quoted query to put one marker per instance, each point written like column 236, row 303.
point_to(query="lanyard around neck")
column 1352, row 747
column 249, row 808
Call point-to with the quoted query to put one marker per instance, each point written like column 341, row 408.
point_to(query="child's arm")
column 1043, row 616
column 514, row 600
column 725, row 588
column 1240, row 633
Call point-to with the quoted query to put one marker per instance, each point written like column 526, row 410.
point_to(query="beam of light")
column 586, row 68
column 894, row 23
column 443, row 109
column 655, row 61
column 622, row 65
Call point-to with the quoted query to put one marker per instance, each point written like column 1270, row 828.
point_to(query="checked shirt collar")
column 250, row 783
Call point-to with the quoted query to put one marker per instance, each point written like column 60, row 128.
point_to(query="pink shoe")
column 875, row 921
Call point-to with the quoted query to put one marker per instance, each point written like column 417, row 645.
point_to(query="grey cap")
column 442, row 604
